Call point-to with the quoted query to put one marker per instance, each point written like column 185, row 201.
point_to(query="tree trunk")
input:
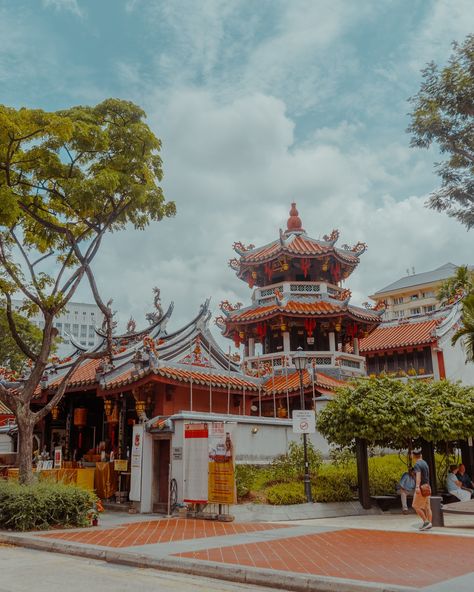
column 363, row 473
column 25, row 448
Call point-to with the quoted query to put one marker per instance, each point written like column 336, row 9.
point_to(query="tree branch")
column 14, row 331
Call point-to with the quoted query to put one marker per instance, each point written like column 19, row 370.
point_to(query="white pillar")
column 434, row 361
column 355, row 345
column 332, row 341
column 251, row 347
column 286, row 341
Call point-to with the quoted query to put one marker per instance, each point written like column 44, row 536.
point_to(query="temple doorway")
column 161, row 468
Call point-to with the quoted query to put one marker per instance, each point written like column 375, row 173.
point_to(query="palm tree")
column 462, row 281
column 467, row 330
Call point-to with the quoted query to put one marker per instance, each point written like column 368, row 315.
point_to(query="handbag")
column 425, row 490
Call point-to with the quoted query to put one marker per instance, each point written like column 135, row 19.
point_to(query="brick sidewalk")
column 411, row 560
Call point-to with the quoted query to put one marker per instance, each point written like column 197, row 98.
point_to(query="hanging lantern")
column 254, row 275
column 337, row 326
column 114, row 416
column 55, row 413
column 241, row 334
column 80, row 417
column 283, row 327
column 285, row 266
column 325, row 265
column 108, row 407
column 140, row 406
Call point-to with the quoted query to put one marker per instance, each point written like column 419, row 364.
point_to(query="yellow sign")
column 121, row 465
column 221, row 480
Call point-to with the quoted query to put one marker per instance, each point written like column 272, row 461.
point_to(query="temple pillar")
column 332, row 341
column 286, row 341
column 251, row 347
column 355, row 345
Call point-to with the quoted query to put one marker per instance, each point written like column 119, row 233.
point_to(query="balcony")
column 345, row 364
column 321, row 289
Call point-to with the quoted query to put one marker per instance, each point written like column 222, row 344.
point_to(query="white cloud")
column 233, row 170
column 67, row 5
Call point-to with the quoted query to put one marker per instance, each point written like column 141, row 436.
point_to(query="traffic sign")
column 304, row 422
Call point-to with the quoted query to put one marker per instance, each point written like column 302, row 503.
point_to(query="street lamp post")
column 300, row 360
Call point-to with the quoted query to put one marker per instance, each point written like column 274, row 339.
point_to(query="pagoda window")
column 275, row 341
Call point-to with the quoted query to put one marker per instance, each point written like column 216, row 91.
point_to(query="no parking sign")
column 304, row 422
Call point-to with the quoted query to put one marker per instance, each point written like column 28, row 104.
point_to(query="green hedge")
column 42, row 505
column 284, row 494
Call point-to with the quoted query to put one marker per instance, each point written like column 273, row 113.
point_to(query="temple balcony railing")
column 347, row 364
column 321, row 289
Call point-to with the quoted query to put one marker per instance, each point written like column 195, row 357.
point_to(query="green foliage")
column 443, row 114
column 335, row 483
column 389, row 413
column 283, row 494
column 244, row 478
column 461, row 282
column 290, row 467
column 466, row 332
column 11, row 356
column 42, row 505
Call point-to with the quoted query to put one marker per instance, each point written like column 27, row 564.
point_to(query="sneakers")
column 426, row 526
column 405, row 511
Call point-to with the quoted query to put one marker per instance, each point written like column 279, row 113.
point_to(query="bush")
column 244, row 478
column 283, row 494
column 290, row 467
column 335, row 483
column 42, row 505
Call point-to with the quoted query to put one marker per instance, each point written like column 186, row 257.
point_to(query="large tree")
column 443, row 114
column 11, row 356
column 466, row 332
column 390, row 413
column 66, row 179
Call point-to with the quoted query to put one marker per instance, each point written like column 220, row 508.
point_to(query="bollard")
column 437, row 510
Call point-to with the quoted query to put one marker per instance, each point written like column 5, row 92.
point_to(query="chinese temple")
column 299, row 301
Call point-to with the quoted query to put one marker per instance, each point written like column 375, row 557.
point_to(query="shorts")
column 420, row 502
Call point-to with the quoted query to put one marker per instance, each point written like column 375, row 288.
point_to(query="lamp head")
column 300, row 359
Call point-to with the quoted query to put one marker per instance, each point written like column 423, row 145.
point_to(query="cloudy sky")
column 258, row 103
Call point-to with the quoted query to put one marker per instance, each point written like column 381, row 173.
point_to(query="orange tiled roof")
column 82, row 376
column 299, row 244
column 217, row 380
column 402, row 335
column 282, row 383
column 320, row 307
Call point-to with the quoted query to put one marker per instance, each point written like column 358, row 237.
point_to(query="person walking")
column 421, row 500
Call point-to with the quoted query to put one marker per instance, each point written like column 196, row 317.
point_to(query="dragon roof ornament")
column 331, row 238
column 234, row 264
column 155, row 316
column 358, row 249
column 241, row 249
column 227, row 308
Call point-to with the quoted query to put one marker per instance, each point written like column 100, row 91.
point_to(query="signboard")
column 121, row 465
column 195, row 462
column 304, row 422
column 177, row 453
column 58, row 457
column 136, row 463
column 221, row 480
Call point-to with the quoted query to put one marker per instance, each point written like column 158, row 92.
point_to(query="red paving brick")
column 160, row 531
column 405, row 559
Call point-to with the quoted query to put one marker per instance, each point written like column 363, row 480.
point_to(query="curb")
column 277, row 580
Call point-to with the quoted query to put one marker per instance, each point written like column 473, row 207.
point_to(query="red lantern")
column 310, row 326
column 268, row 271
column 305, row 265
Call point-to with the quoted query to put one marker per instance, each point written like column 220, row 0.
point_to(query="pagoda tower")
column 299, row 301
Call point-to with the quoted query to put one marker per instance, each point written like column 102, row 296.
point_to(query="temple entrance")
column 161, row 468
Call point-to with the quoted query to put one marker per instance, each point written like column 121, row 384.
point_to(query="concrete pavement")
column 371, row 552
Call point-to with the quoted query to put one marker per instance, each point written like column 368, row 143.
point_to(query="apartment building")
column 414, row 294
column 78, row 321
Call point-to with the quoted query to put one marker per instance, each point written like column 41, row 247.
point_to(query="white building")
column 78, row 321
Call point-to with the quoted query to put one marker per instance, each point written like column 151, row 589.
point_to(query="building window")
column 414, row 297
column 75, row 330
column 91, row 331
column 415, row 311
column 67, row 327
column 429, row 308
column 59, row 327
column 398, row 300
column 429, row 294
column 83, row 331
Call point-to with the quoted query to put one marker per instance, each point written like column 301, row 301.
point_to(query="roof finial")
column 294, row 221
